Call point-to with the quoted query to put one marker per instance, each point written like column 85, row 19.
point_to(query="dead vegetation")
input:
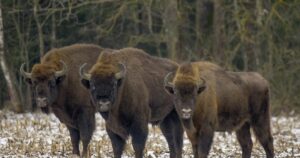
column 40, row 135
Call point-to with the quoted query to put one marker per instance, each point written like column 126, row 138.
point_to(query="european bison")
column 126, row 87
column 208, row 98
column 57, row 87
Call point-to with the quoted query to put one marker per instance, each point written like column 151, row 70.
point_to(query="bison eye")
column 170, row 90
column 200, row 89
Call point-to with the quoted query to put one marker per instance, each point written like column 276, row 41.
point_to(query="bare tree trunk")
column 39, row 27
column 247, row 31
column 22, row 46
column 148, row 5
column 198, row 17
column 53, row 28
column 137, row 16
column 249, row 42
column 171, row 24
column 31, row 105
column 25, row 98
column 11, row 88
column 259, row 15
column 219, row 34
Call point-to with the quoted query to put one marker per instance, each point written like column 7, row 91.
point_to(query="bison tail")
column 260, row 108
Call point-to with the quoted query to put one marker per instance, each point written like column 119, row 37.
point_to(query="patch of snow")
column 3, row 141
column 40, row 135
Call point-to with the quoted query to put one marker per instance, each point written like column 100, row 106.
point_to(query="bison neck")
column 121, row 115
column 64, row 107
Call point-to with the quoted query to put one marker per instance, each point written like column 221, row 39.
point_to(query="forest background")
column 239, row 35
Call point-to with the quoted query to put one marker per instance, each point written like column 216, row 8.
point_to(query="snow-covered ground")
column 40, row 135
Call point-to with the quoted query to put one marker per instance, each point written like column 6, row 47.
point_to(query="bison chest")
column 231, row 122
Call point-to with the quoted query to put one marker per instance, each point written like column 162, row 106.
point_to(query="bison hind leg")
column 244, row 138
column 262, row 130
column 261, row 125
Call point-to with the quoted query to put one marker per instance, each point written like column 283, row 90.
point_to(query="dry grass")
column 40, row 135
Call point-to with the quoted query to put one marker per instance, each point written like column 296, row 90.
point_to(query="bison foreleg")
column 86, row 124
column 195, row 150
column 205, row 139
column 244, row 138
column 75, row 138
column 261, row 124
column 139, row 133
column 173, row 131
column 117, row 142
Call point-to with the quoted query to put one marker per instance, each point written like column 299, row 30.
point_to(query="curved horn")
column 25, row 74
column 82, row 74
column 122, row 72
column 63, row 71
column 168, row 78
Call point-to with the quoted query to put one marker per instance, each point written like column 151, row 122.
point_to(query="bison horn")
column 168, row 78
column 122, row 71
column 25, row 74
column 202, row 82
column 63, row 71
column 83, row 75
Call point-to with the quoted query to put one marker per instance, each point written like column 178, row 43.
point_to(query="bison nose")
column 186, row 113
column 41, row 102
column 103, row 105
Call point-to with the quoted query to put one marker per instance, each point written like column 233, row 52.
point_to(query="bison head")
column 44, row 78
column 103, row 83
column 184, row 94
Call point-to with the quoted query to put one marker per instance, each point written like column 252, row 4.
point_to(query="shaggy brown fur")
column 66, row 97
column 231, row 101
column 140, row 99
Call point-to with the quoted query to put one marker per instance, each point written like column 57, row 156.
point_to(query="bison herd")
column 131, row 89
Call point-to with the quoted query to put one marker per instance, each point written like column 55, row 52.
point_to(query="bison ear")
column 85, row 83
column 169, row 89
column 200, row 89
